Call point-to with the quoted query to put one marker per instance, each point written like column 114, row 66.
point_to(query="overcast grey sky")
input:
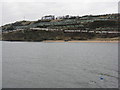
column 33, row 10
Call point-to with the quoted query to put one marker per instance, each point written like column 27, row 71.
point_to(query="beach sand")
column 87, row 41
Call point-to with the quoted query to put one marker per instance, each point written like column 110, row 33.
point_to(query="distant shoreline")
column 94, row 40
column 71, row 41
column 86, row 41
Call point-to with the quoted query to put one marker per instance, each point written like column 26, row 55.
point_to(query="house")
column 49, row 17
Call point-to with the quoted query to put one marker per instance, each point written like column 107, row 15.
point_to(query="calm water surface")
column 60, row 65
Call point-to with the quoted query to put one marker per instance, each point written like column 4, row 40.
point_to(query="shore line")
column 86, row 41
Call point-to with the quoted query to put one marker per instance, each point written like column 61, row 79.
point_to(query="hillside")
column 78, row 28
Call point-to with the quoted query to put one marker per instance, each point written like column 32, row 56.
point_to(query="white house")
column 49, row 17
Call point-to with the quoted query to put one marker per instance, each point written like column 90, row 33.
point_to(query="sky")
column 17, row 10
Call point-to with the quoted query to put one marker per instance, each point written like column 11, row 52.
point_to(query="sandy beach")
column 86, row 41
column 95, row 40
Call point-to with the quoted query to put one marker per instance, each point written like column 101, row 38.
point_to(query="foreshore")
column 84, row 41
column 95, row 40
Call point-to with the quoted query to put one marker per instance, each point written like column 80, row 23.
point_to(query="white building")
column 49, row 17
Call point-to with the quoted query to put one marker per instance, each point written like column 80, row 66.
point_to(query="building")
column 49, row 17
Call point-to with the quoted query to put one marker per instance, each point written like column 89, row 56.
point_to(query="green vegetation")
column 97, row 24
column 30, row 35
column 108, row 22
column 44, row 35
